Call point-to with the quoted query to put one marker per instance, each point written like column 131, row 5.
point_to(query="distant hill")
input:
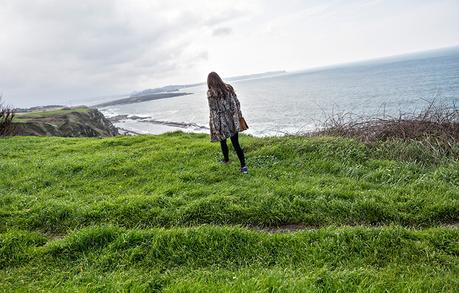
column 175, row 88
column 257, row 75
column 141, row 98
column 164, row 89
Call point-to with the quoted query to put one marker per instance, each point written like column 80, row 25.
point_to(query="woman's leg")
column 224, row 147
column 238, row 149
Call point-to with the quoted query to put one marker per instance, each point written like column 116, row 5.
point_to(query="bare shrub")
column 436, row 127
column 6, row 120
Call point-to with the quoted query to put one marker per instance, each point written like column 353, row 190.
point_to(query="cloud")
column 68, row 49
column 53, row 51
column 222, row 31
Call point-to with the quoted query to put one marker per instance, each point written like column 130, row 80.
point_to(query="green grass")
column 24, row 117
column 211, row 258
column 158, row 212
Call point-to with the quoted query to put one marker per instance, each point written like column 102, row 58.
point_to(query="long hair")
column 216, row 84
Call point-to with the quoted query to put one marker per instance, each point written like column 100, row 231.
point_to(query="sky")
column 54, row 51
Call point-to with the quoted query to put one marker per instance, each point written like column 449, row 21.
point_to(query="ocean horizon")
column 297, row 102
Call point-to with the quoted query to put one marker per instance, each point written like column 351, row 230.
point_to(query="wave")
column 147, row 119
column 175, row 124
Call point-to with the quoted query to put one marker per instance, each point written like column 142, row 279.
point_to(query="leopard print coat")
column 225, row 115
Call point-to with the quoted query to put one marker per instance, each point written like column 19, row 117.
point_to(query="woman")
column 225, row 117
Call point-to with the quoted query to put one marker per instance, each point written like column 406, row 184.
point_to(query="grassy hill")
column 68, row 122
column 153, row 213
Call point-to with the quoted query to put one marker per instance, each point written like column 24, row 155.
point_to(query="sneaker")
column 224, row 162
column 244, row 170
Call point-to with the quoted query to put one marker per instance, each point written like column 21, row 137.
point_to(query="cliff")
column 68, row 122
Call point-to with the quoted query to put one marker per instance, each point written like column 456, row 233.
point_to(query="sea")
column 299, row 102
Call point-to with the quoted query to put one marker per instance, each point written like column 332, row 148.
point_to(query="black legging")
column 237, row 148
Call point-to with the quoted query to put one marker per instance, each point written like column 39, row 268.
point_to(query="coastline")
column 140, row 99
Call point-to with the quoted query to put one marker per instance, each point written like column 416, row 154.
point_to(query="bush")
column 6, row 120
column 432, row 133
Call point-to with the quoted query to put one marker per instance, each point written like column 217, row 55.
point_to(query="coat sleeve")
column 211, row 102
column 212, row 112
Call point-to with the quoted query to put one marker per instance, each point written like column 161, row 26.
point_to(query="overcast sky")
column 56, row 51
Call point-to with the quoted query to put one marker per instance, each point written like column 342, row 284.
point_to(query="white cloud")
column 57, row 49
